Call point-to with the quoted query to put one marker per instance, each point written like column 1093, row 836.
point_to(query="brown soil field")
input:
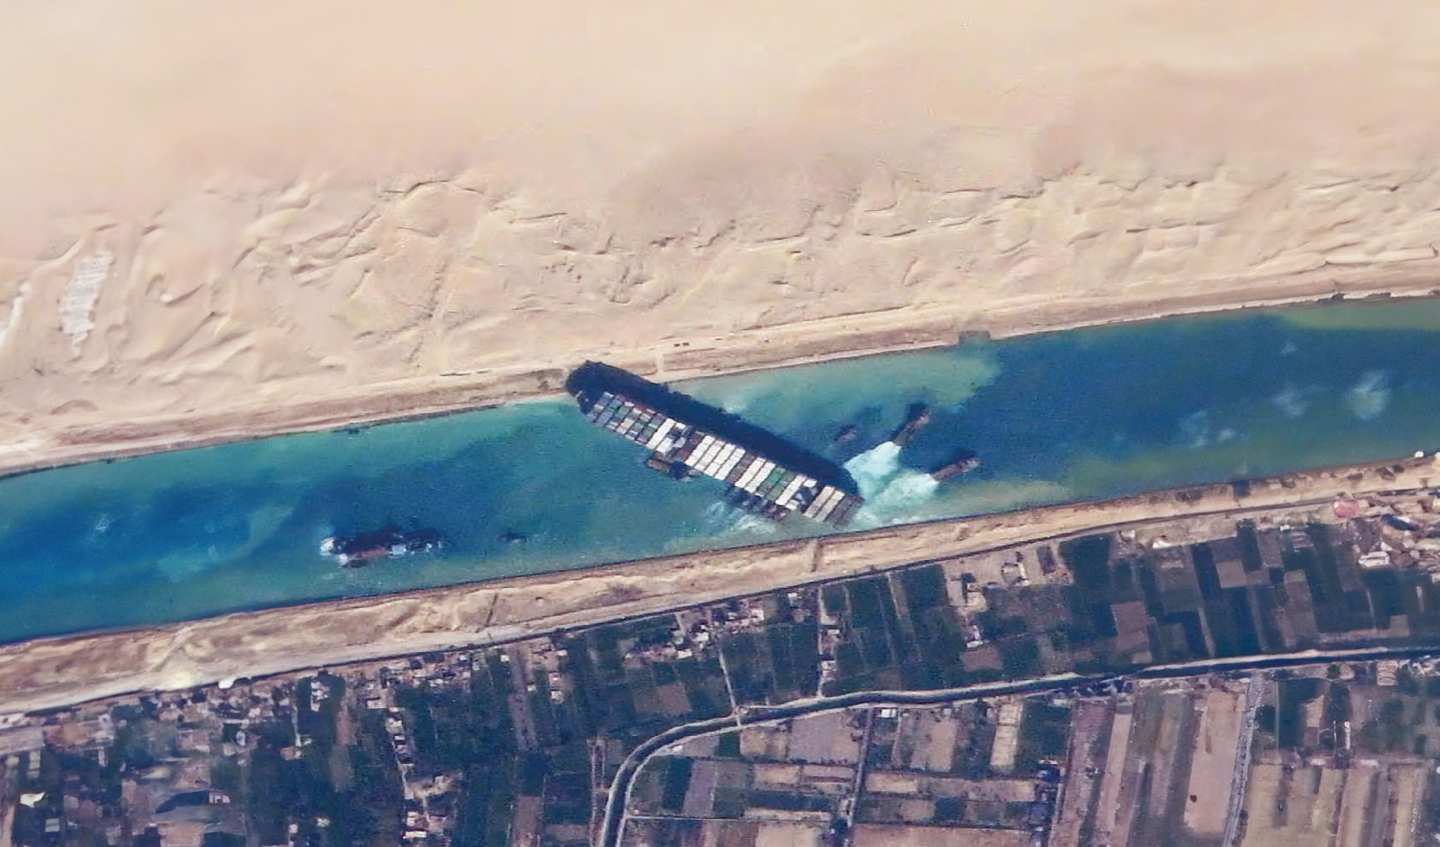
column 1212, row 769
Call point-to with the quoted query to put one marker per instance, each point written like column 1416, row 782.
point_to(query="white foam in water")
column 1195, row 430
column 873, row 468
column 748, row 524
column 1291, row 402
column 717, row 515
column 892, row 492
column 723, row 519
column 904, row 495
column 1370, row 396
column 1199, row 431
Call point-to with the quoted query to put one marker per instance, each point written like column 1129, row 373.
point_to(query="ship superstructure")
column 768, row 486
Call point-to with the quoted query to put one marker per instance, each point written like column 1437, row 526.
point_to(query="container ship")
column 764, row 474
column 390, row 542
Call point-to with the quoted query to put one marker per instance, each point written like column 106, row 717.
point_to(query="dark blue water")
column 1077, row 415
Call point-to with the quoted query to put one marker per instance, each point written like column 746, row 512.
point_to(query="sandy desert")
column 230, row 219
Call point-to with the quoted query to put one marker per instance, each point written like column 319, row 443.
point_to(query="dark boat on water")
column 963, row 462
column 916, row 417
column 390, row 542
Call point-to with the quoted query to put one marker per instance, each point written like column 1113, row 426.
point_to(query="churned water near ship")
column 1075, row 415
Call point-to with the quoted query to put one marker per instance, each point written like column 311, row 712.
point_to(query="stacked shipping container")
column 755, row 481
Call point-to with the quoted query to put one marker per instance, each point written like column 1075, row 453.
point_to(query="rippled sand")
column 223, row 219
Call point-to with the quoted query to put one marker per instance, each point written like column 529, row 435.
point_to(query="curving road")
column 612, row 825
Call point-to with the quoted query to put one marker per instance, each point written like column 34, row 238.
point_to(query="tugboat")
column 389, row 542
column 963, row 462
column 915, row 418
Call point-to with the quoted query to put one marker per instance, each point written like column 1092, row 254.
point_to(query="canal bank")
column 762, row 348
column 1074, row 416
column 52, row 672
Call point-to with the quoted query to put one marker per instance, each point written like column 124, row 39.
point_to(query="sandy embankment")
column 229, row 219
column 57, row 671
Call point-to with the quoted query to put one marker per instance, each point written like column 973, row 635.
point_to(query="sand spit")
column 316, row 214
column 57, row 671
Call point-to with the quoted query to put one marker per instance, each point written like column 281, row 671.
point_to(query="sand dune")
column 233, row 218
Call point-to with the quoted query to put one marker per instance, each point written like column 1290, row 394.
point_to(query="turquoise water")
column 1077, row 415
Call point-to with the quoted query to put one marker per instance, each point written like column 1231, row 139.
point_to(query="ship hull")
column 762, row 473
column 391, row 542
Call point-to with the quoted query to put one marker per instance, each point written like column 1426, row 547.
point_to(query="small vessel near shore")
column 389, row 542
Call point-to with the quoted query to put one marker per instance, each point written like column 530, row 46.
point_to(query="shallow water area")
column 1076, row 415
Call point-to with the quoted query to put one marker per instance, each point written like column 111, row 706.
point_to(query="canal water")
column 1076, row 415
